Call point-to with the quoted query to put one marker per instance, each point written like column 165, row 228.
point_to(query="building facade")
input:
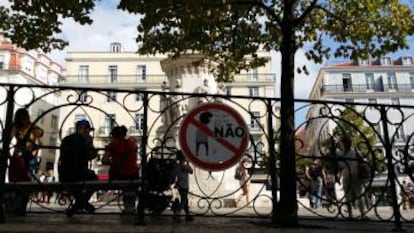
column 159, row 73
column 378, row 81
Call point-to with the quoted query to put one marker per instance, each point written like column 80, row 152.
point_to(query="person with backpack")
column 121, row 156
column 76, row 151
column 183, row 184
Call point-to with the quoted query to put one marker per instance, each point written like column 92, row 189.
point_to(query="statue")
column 221, row 90
column 176, row 103
column 203, row 89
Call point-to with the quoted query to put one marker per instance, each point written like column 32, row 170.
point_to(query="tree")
column 35, row 24
column 352, row 124
column 230, row 32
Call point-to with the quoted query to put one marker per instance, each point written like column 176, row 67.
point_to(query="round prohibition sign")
column 213, row 137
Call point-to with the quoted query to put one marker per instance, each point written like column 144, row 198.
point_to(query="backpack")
column 364, row 170
column 238, row 174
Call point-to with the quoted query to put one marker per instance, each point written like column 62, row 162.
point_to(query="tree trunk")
column 287, row 206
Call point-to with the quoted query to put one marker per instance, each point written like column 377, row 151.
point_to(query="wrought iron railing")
column 388, row 157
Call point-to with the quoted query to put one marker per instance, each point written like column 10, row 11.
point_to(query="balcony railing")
column 120, row 79
column 362, row 88
column 151, row 79
column 260, row 78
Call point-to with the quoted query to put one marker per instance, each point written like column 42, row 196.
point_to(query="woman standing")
column 243, row 181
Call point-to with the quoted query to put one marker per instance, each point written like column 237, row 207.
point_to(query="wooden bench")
column 95, row 185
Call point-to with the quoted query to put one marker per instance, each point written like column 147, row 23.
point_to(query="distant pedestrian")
column 183, row 184
column 243, row 181
column 314, row 174
column 329, row 185
column 353, row 185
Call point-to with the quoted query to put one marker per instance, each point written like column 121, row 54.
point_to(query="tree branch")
column 346, row 23
column 305, row 14
column 259, row 3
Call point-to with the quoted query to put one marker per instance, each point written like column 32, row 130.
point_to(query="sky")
column 113, row 25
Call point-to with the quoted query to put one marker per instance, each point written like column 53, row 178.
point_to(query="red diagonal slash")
column 210, row 133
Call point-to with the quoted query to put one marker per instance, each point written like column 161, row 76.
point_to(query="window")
column 83, row 74
column 392, row 81
column 253, row 91
column 141, row 73
column 1, row 62
column 83, row 96
column 110, row 96
column 79, row 117
column 255, row 120
column 369, row 80
column 385, row 61
column 412, row 80
column 372, row 101
column 347, row 82
column 53, row 141
column 139, row 121
column 407, row 61
column 228, row 90
column 139, row 95
column 349, row 100
column 254, row 74
column 400, row 135
column 395, row 101
column 379, row 84
column 378, row 129
column 363, row 62
column 109, row 123
column 113, row 74
column 54, row 122
column 39, row 114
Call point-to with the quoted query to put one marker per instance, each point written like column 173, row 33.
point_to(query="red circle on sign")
column 235, row 152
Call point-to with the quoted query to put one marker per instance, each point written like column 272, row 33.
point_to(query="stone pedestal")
column 186, row 74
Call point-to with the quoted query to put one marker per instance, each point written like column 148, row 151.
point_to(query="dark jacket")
column 75, row 152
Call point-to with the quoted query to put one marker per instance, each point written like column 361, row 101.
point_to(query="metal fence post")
column 142, row 194
column 272, row 159
column 6, row 138
column 391, row 172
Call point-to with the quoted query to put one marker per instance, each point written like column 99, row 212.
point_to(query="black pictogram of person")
column 201, row 137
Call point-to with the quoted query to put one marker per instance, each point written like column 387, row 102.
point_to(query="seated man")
column 75, row 152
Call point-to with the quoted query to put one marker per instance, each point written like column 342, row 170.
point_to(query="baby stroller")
column 161, row 175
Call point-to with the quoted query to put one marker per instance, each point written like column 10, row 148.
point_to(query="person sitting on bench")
column 76, row 151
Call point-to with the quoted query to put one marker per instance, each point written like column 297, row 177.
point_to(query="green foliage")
column 230, row 32
column 351, row 124
column 33, row 24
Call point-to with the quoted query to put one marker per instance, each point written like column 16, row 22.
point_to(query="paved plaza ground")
column 104, row 221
